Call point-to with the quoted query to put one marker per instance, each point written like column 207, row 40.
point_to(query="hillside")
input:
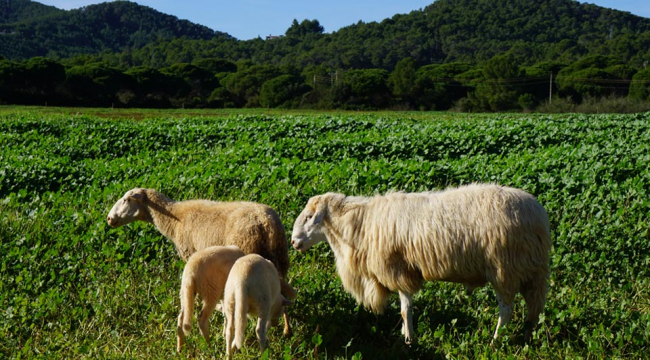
column 111, row 27
column 466, row 28
column 12, row 11
column 448, row 30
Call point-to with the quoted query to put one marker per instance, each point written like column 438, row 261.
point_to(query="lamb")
column 205, row 274
column 472, row 235
column 194, row 225
column 252, row 288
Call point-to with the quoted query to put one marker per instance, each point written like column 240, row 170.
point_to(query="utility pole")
column 550, row 90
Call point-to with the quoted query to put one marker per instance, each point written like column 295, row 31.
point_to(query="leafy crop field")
column 72, row 287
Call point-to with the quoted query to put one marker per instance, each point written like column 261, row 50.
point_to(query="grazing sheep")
column 197, row 224
column 252, row 288
column 471, row 235
column 205, row 274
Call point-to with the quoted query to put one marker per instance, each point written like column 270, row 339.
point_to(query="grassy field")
column 72, row 287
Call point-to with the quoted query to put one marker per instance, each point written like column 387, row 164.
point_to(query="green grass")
column 72, row 287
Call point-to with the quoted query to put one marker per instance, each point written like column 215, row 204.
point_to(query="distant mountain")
column 22, row 10
column 476, row 30
column 470, row 31
column 467, row 27
column 31, row 29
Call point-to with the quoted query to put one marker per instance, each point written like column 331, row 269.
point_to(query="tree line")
column 501, row 83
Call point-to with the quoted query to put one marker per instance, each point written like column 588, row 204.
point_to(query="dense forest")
column 470, row 55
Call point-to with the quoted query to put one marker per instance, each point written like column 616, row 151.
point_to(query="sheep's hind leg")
column 260, row 331
column 228, row 333
column 180, row 335
column 505, row 312
column 534, row 293
column 406, row 301
column 204, row 318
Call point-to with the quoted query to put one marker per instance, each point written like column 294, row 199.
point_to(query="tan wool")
column 253, row 288
column 194, row 225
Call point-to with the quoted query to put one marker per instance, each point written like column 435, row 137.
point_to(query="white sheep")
column 205, row 274
column 194, row 225
column 253, row 287
column 471, row 235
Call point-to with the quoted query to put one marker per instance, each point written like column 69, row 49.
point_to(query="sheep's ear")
column 138, row 196
column 319, row 214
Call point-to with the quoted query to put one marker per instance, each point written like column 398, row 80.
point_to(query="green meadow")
column 73, row 287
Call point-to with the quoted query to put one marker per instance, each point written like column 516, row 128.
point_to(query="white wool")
column 472, row 235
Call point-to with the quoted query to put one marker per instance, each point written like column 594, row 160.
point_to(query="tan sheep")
column 471, row 235
column 253, row 287
column 194, row 225
column 205, row 274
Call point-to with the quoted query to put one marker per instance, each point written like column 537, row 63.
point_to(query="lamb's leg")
column 287, row 327
column 505, row 311
column 260, row 330
column 228, row 331
column 204, row 318
column 406, row 301
column 180, row 335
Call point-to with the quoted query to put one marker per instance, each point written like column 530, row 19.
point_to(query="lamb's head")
column 129, row 208
column 308, row 228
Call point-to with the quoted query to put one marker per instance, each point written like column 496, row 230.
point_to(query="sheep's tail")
column 187, row 303
column 240, row 319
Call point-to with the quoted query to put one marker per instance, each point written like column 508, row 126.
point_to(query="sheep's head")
column 308, row 228
column 278, row 308
column 128, row 209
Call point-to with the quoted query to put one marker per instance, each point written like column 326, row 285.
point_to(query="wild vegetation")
column 468, row 55
column 73, row 287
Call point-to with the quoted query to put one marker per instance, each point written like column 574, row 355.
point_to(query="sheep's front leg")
column 406, row 301
column 505, row 312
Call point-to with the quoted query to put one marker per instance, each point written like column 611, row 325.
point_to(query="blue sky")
column 246, row 19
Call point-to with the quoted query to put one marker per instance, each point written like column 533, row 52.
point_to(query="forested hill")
column 446, row 31
column 21, row 10
column 483, row 28
column 31, row 29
